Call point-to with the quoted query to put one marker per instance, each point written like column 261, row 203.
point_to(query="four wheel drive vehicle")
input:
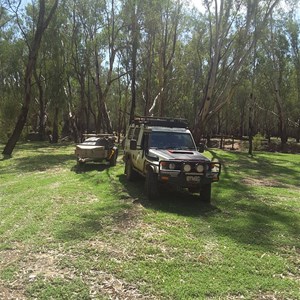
column 164, row 152
column 97, row 148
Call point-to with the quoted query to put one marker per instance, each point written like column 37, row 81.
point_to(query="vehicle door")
column 136, row 155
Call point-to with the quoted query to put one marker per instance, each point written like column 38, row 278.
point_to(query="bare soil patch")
column 261, row 182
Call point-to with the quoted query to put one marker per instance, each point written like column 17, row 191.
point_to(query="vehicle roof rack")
column 99, row 135
column 161, row 121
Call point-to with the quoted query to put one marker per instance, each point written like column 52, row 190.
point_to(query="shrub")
column 257, row 141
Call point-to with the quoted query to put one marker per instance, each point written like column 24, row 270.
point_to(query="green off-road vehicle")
column 164, row 152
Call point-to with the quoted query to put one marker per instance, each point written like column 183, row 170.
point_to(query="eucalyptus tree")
column 170, row 19
column 55, row 70
column 49, row 77
column 159, row 34
column 4, row 15
column 293, row 33
column 233, row 28
column 277, row 68
column 43, row 21
column 170, row 13
column 78, row 57
column 139, row 61
column 101, row 24
column 11, row 75
column 131, row 18
column 189, row 66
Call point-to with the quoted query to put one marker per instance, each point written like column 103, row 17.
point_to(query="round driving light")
column 187, row 168
column 171, row 166
column 200, row 168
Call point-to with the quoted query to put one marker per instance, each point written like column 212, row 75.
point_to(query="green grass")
column 88, row 234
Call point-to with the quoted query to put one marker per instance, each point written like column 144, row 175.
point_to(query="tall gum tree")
column 231, row 39
column 42, row 23
column 278, row 73
column 104, row 39
column 293, row 31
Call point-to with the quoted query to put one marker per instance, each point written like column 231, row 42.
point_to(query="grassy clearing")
column 69, row 234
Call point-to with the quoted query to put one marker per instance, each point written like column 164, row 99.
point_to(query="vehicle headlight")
column 164, row 165
column 187, row 168
column 200, row 168
column 171, row 166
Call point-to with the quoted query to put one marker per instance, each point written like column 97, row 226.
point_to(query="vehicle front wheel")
column 151, row 186
column 129, row 171
column 205, row 193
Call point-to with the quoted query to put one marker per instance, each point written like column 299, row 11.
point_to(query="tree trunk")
column 134, row 34
column 9, row 147
column 242, row 118
column 83, row 110
column 107, row 120
column 220, row 25
column 42, row 24
column 281, row 117
column 55, row 126
column 221, row 142
column 91, row 113
column 250, row 130
column 42, row 108
column 148, row 85
column 103, row 119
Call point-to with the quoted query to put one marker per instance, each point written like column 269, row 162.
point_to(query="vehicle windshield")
column 171, row 140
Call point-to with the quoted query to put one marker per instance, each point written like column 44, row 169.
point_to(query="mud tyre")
column 151, row 186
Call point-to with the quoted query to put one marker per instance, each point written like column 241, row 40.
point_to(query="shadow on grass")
column 93, row 222
column 170, row 201
column 103, row 213
column 268, row 165
column 42, row 162
column 90, row 167
column 37, row 156
column 250, row 215
column 5, row 157
column 258, row 224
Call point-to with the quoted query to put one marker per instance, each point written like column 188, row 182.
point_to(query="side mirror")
column 133, row 144
column 201, row 148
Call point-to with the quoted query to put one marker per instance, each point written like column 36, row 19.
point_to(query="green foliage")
column 67, row 233
column 257, row 141
column 175, row 51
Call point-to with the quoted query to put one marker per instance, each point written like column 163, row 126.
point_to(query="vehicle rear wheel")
column 130, row 173
column 151, row 186
column 205, row 193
